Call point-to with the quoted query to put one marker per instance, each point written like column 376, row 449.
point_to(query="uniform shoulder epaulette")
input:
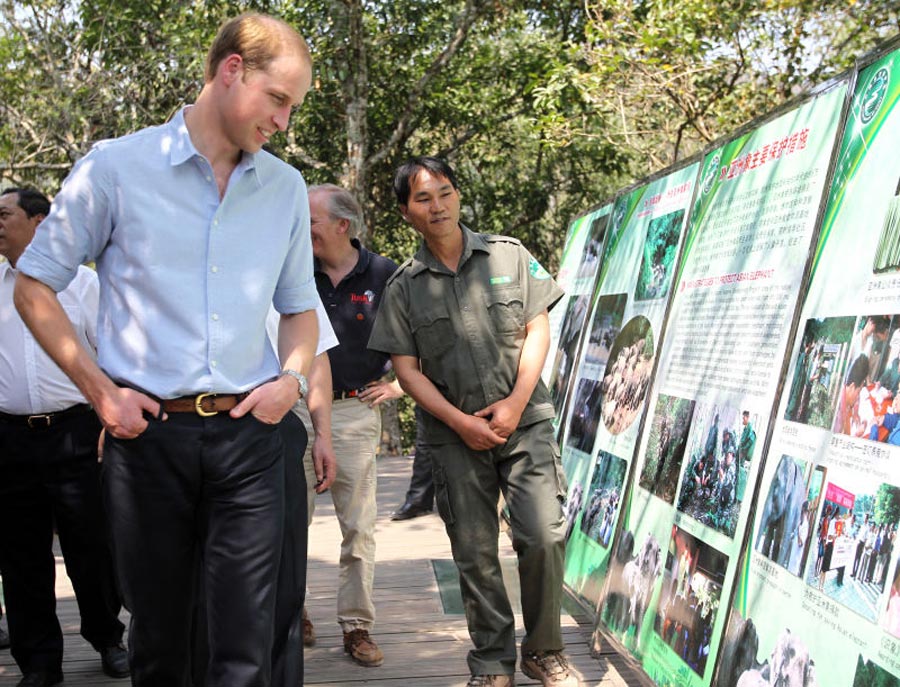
column 500, row 238
column 400, row 270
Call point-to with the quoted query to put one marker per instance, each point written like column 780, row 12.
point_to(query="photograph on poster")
column 632, row 576
column 890, row 619
column 789, row 664
column 660, row 253
column 855, row 537
column 870, row 674
column 602, row 504
column 573, row 504
column 627, row 376
column 585, row 418
column 819, row 369
column 720, row 453
column 605, row 327
column 887, row 254
column 590, row 263
column 666, row 443
column 689, row 601
column 786, row 523
column 573, row 321
column 868, row 406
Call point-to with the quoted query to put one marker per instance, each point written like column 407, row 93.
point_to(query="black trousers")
column 50, row 477
column 189, row 489
column 287, row 647
column 421, row 485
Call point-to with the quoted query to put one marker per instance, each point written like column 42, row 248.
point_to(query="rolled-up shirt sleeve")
column 76, row 230
column 296, row 288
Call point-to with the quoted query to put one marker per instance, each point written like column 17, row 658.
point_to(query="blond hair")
column 258, row 39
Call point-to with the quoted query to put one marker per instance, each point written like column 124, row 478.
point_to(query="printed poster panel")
column 751, row 227
column 615, row 366
column 577, row 274
column 821, row 583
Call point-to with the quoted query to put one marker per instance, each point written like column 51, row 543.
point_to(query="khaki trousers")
column 355, row 430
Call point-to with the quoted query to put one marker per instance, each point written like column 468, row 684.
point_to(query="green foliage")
column 887, row 505
column 664, row 79
column 869, row 674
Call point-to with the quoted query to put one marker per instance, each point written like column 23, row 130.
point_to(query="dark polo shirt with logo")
column 351, row 308
column 467, row 328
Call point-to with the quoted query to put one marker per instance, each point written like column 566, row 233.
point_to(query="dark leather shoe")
column 41, row 678
column 4, row 639
column 114, row 660
column 408, row 511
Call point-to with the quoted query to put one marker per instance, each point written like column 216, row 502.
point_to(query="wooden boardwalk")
column 423, row 645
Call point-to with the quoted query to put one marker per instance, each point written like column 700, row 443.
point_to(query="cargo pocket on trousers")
column 562, row 484
column 442, row 495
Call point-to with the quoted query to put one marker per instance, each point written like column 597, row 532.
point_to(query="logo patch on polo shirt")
column 536, row 270
column 367, row 297
column 501, row 280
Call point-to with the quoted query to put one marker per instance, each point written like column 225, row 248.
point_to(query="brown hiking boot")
column 491, row 681
column 550, row 667
column 362, row 648
column 309, row 633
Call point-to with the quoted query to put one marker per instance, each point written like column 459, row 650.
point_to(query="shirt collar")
column 362, row 262
column 424, row 259
column 7, row 270
column 181, row 147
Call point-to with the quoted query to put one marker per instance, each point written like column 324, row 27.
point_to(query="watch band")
column 302, row 383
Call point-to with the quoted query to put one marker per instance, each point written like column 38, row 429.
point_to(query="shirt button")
column 214, row 269
column 213, row 362
column 215, row 317
column 215, row 222
column 465, row 307
column 208, row 178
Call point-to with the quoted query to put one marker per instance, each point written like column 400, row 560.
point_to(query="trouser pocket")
column 442, row 495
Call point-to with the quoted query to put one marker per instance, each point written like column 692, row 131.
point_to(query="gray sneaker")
column 491, row 681
column 550, row 667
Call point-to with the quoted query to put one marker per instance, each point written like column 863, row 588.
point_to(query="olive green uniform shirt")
column 467, row 328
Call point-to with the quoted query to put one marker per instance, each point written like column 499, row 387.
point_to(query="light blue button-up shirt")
column 186, row 280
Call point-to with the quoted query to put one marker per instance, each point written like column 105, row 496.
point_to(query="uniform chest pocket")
column 433, row 332
column 506, row 309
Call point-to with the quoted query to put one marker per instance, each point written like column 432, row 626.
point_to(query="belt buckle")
column 198, row 405
column 46, row 421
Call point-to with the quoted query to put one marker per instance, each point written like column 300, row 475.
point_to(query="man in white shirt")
column 49, row 474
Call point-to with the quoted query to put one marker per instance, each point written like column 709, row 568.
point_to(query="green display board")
column 578, row 272
column 819, row 591
column 750, row 232
column 615, row 364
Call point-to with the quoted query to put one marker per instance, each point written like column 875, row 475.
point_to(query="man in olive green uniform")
column 465, row 322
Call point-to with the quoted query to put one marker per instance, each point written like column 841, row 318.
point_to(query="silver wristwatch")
column 301, row 381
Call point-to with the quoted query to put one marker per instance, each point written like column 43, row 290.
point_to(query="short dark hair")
column 32, row 201
column 411, row 168
column 859, row 370
column 881, row 322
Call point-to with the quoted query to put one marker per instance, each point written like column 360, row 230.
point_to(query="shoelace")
column 552, row 663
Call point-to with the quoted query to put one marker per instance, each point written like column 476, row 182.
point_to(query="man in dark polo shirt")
column 350, row 280
column 465, row 321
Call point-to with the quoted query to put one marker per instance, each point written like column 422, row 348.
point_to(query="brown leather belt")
column 44, row 420
column 205, row 405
